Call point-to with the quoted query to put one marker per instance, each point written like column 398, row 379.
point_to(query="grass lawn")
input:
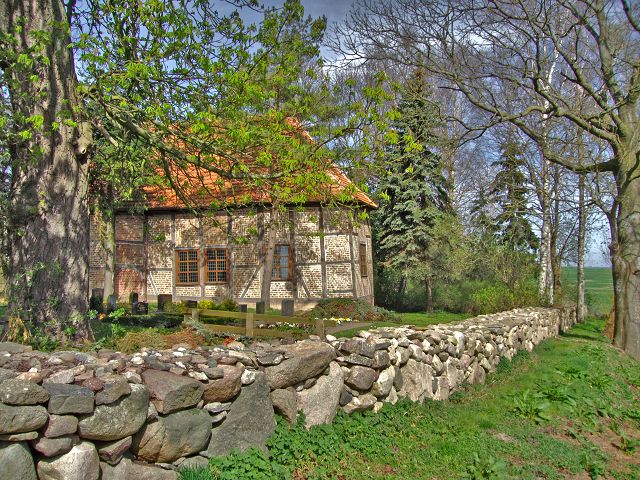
column 570, row 409
column 598, row 286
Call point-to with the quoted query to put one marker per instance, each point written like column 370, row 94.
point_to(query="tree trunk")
column 429, row 287
column 556, row 254
column 110, row 251
column 625, row 256
column 582, row 226
column 48, row 219
column 401, row 288
column 545, row 281
column 267, row 265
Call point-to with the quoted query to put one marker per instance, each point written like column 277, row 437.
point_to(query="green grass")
column 598, row 288
column 570, row 409
column 418, row 319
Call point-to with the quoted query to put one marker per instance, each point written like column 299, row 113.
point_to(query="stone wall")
column 75, row 415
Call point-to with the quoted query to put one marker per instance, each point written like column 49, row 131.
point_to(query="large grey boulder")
column 382, row 386
column 285, row 403
column 249, row 423
column 308, row 359
column 119, row 419
column 115, row 387
column 320, row 402
column 358, row 404
column 173, row 436
column 417, row 381
column 361, row 378
column 59, row 425
column 225, row 388
column 65, row 398
column 80, row 463
column 22, row 392
column 358, row 346
column 6, row 374
column 128, row 470
column 16, row 462
column 112, row 452
column 17, row 419
column 172, row 392
column 51, row 447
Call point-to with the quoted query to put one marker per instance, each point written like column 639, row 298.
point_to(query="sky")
column 334, row 10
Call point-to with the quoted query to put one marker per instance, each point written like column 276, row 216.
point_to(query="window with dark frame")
column 281, row 263
column 187, row 270
column 216, row 265
column 362, row 256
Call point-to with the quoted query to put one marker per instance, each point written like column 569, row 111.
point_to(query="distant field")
column 598, row 285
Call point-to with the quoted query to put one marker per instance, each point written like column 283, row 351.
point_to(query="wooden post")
column 249, row 324
column 320, row 327
column 195, row 314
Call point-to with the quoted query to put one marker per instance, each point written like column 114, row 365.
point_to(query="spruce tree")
column 509, row 194
column 413, row 189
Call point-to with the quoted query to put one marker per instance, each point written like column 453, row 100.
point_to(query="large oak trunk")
column 48, row 223
column 625, row 257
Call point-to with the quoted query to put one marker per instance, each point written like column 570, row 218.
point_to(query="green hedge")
column 357, row 310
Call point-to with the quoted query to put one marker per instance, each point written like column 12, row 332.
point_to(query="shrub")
column 229, row 305
column 175, row 307
column 491, row 299
column 158, row 320
column 207, row 305
column 358, row 310
column 134, row 341
column 497, row 297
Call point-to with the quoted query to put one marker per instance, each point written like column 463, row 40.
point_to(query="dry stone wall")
column 76, row 415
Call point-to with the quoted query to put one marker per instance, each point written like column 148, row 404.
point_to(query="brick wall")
column 129, row 228
column 339, row 277
column 215, row 230
column 128, row 280
column 160, row 281
column 337, row 248
column 187, row 231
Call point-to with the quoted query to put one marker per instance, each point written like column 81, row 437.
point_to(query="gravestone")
column 287, row 308
column 98, row 293
column 260, row 307
column 164, row 298
column 133, row 300
column 243, row 308
column 111, row 303
column 95, row 302
column 143, row 308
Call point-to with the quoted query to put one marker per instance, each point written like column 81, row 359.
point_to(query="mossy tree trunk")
column 47, row 244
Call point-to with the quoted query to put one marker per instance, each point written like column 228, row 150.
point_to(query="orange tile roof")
column 203, row 188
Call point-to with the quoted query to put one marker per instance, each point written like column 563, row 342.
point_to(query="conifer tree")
column 509, row 193
column 413, row 190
